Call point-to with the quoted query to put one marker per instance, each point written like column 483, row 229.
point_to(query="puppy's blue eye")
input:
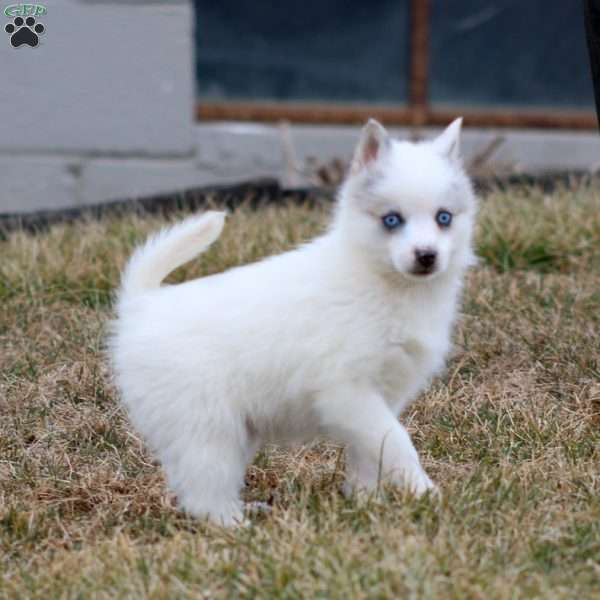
column 392, row 220
column 443, row 218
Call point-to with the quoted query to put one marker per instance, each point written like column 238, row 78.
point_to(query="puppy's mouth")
column 423, row 271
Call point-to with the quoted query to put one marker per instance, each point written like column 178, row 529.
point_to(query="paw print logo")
column 24, row 32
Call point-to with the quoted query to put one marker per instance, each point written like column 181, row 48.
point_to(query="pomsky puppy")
column 333, row 339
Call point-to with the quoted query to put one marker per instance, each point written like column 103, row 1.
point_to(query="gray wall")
column 110, row 84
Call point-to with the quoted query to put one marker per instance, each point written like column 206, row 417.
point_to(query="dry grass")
column 511, row 433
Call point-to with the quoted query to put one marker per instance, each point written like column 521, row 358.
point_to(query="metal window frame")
column 418, row 112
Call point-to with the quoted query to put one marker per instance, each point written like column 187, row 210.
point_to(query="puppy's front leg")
column 378, row 447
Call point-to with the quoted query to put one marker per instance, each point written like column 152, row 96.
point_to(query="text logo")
column 25, row 10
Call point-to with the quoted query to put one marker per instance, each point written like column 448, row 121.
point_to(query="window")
column 500, row 62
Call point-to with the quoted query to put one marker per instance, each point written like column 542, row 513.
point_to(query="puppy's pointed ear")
column 373, row 143
column 448, row 142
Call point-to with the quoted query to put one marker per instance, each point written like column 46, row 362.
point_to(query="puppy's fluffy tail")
column 169, row 249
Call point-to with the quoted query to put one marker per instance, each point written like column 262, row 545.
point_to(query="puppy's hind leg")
column 206, row 470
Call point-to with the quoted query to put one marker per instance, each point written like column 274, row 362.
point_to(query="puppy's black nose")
column 425, row 257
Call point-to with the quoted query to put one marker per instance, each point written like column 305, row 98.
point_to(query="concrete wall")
column 103, row 109
column 109, row 81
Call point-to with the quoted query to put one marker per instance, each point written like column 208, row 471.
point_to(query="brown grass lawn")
column 511, row 433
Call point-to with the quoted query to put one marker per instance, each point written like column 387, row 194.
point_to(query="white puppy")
column 332, row 339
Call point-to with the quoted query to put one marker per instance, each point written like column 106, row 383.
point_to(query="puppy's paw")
column 223, row 514
column 418, row 482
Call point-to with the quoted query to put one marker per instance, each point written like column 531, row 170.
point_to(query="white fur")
column 332, row 339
